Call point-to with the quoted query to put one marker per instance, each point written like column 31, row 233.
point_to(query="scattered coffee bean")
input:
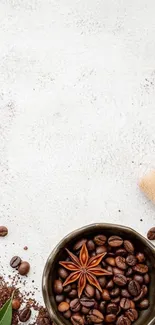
column 151, row 234
column 15, row 304
column 129, row 272
column 141, row 268
column 24, row 268
column 43, row 321
column 79, row 244
column 120, row 280
column 89, row 291
column 85, row 310
column 131, row 260
column 120, row 262
column 100, row 240
column 116, row 300
column 73, row 293
column 134, row 288
column 97, row 294
column 125, row 293
column 58, row 287
column 110, row 284
column 67, row 288
column 140, row 257
column 95, row 316
column 86, row 302
column 129, row 246
column 115, row 241
column 132, row 314
column 3, row 231
column 15, row 262
column 121, row 252
column 67, row 314
column 63, row 307
column 116, row 271
column 25, row 314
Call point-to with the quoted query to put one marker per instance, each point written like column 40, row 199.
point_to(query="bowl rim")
column 69, row 237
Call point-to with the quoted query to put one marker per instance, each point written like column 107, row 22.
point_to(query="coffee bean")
column 115, row 292
column 77, row 320
column 110, row 318
column 102, row 306
column 67, row 314
column 151, row 234
column 125, row 303
column 95, row 316
column 62, row 273
column 86, row 302
column 67, row 288
column 134, row 288
column 105, row 295
column 112, row 308
column 121, row 252
column 100, row 240
column 102, row 281
column 140, row 257
column 43, row 321
column 141, row 268
column 90, row 245
column 109, row 269
column 97, row 294
column 85, row 310
column 3, row 231
column 125, row 293
column 144, row 304
column 132, row 314
column 129, row 272
column 115, row 241
column 120, row 262
column 16, row 304
column 59, row 298
column 92, row 254
column 89, row 291
column 116, row 300
column 120, row 280
column 140, row 296
column 68, row 300
column 72, row 293
column 15, row 262
column 24, row 268
column 101, row 249
column 110, row 261
column 122, row 320
column 131, row 260
column 75, row 305
column 129, row 246
column 138, row 278
column 58, row 287
column 79, row 244
column 146, row 278
column 110, row 284
column 25, row 314
column 145, row 289
column 63, row 306
column 116, row 271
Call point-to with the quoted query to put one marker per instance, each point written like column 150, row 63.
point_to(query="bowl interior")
column 141, row 244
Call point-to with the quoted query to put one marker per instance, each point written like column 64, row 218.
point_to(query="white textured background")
column 77, row 120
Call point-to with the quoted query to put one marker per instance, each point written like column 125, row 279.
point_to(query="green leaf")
column 6, row 313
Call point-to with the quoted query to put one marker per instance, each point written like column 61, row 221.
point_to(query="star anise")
column 84, row 269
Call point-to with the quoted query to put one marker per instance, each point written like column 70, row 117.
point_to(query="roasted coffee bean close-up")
column 102, row 280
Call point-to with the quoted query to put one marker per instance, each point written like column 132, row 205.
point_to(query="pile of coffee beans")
column 124, row 293
column 23, row 267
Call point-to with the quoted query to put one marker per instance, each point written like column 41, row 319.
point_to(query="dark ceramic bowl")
column 147, row 317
